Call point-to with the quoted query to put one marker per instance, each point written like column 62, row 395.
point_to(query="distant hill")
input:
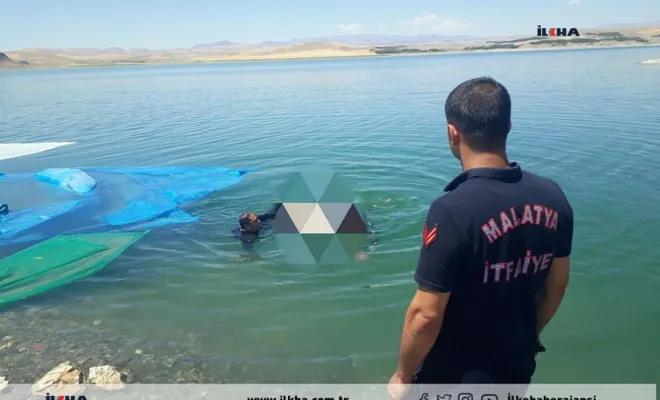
column 351, row 40
column 269, row 43
column 383, row 40
column 222, row 43
column 372, row 40
column 629, row 26
column 89, row 51
column 6, row 62
column 360, row 45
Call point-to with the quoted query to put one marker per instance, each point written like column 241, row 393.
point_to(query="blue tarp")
column 66, row 200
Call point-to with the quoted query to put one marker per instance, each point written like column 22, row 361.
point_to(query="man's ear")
column 452, row 135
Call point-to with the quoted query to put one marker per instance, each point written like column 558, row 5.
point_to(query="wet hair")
column 480, row 109
column 244, row 219
column 248, row 222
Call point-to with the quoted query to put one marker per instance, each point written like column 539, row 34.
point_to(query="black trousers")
column 456, row 368
column 461, row 369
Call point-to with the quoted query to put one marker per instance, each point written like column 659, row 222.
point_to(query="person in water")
column 252, row 226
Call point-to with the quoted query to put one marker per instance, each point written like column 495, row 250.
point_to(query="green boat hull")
column 59, row 261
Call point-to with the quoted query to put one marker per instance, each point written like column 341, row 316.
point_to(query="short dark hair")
column 244, row 219
column 481, row 111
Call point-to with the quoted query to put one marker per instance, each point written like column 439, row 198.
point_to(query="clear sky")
column 160, row 24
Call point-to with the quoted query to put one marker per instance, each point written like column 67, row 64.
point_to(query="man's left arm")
column 435, row 276
column 270, row 215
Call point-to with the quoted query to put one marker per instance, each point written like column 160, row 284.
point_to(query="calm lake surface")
column 188, row 299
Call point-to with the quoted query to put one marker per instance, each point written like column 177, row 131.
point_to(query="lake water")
column 198, row 311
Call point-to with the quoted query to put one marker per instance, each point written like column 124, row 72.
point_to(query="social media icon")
column 465, row 396
column 445, row 397
column 489, row 397
column 425, row 396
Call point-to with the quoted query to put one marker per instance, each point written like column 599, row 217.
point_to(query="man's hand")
column 539, row 347
column 398, row 386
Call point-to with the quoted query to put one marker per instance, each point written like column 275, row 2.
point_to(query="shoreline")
column 34, row 341
column 335, row 57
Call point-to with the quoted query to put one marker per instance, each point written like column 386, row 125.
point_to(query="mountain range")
column 359, row 45
column 347, row 40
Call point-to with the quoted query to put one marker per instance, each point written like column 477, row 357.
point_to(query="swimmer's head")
column 249, row 222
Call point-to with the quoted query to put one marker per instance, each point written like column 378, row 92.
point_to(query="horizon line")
column 318, row 39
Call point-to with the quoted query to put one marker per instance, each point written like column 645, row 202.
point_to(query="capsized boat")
column 59, row 261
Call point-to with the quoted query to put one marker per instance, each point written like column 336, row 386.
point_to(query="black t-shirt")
column 490, row 241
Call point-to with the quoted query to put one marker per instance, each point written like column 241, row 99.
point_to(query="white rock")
column 65, row 379
column 3, row 383
column 106, row 377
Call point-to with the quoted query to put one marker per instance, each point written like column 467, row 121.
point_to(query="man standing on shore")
column 494, row 262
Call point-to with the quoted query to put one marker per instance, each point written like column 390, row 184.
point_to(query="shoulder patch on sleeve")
column 429, row 236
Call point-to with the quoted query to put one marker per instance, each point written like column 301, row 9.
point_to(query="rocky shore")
column 104, row 376
column 33, row 343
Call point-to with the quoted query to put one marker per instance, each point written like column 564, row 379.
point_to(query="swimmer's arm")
column 373, row 239
column 271, row 214
column 371, row 232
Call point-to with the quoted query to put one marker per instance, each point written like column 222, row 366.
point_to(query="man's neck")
column 485, row 160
